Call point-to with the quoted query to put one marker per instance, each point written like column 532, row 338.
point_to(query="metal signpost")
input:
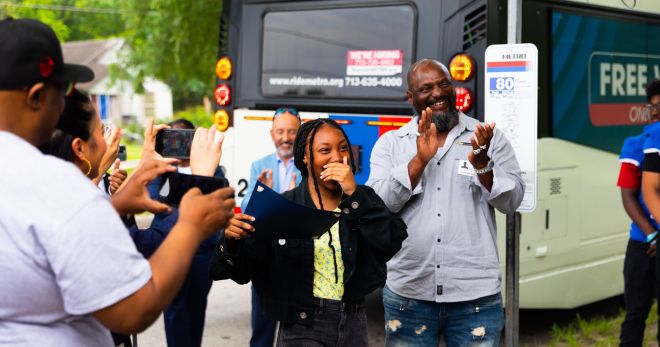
column 511, row 101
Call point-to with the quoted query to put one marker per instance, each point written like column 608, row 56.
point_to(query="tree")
column 72, row 20
column 174, row 41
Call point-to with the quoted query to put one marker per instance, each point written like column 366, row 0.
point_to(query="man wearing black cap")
column 68, row 268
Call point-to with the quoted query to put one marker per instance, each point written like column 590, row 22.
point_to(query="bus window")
column 359, row 53
column 600, row 67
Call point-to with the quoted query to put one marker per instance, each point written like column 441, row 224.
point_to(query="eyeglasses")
column 290, row 110
column 652, row 107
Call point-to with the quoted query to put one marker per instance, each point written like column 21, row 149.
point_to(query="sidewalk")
column 228, row 319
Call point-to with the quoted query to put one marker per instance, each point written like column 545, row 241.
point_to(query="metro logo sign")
column 616, row 87
column 374, row 63
column 507, row 66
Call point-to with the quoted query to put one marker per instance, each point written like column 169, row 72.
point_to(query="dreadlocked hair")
column 305, row 141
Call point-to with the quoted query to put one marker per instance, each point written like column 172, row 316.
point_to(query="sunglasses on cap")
column 290, row 110
column 65, row 87
column 68, row 88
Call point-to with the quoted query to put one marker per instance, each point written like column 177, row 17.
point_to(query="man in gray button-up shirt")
column 444, row 172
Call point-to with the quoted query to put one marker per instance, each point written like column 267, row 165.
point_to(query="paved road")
column 228, row 319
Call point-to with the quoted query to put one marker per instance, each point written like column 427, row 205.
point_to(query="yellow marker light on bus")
column 461, row 67
column 223, row 68
column 221, row 119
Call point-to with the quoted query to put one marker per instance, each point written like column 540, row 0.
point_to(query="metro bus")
column 347, row 60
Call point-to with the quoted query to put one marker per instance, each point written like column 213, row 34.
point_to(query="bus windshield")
column 339, row 53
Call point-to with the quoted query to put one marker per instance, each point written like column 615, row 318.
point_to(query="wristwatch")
column 485, row 169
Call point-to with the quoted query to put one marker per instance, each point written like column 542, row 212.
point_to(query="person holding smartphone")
column 79, row 139
column 316, row 287
column 70, row 272
column 184, row 317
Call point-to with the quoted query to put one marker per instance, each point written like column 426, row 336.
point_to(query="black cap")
column 31, row 53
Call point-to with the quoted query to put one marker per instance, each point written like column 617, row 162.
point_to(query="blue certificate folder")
column 277, row 217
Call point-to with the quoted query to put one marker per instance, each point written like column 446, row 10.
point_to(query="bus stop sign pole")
column 512, row 322
column 512, row 277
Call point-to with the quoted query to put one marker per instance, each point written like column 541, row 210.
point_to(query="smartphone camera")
column 175, row 185
column 174, row 143
column 121, row 153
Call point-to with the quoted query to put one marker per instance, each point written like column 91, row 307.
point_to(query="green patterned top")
column 326, row 285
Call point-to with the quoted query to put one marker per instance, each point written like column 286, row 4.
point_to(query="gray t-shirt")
column 64, row 252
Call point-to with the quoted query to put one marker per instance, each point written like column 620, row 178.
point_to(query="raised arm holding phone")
column 69, row 269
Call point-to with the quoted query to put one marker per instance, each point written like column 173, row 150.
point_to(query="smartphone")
column 175, row 185
column 174, row 143
column 121, row 153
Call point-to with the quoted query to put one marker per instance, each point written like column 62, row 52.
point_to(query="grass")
column 133, row 151
column 600, row 331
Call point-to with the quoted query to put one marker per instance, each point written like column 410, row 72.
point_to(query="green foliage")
column 174, row 41
column 71, row 20
column 197, row 115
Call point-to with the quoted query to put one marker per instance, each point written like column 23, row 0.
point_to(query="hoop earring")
column 89, row 170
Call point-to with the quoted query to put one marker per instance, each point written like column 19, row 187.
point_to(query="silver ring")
column 479, row 150
column 418, row 134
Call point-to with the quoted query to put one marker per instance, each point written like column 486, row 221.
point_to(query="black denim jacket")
column 282, row 271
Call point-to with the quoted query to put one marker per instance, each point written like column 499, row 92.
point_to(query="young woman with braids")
column 316, row 287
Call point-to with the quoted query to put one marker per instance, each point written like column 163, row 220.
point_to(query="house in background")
column 117, row 101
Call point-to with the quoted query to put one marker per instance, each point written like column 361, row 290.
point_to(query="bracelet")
column 485, row 169
column 651, row 237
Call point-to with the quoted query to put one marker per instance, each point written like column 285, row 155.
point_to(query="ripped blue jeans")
column 410, row 322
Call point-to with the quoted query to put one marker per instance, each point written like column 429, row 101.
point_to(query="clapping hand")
column 480, row 141
column 266, row 177
column 427, row 136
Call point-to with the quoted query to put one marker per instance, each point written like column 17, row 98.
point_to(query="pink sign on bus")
column 374, row 62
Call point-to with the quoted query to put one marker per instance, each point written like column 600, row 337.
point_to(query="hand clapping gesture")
column 266, row 177
column 480, row 141
column 427, row 136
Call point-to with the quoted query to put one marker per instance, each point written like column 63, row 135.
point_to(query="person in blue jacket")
column 278, row 172
column 184, row 317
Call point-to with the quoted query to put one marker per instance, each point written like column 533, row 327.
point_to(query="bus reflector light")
column 221, row 119
column 461, row 67
column 222, row 94
column 223, row 68
column 463, row 99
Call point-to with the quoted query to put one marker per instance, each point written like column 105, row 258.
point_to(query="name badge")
column 465, row 168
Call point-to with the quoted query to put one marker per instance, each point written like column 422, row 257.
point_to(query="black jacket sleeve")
column 382, row 230
column 240, row 265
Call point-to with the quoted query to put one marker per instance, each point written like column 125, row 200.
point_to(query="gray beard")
column 284, row 153
column 445, row 121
